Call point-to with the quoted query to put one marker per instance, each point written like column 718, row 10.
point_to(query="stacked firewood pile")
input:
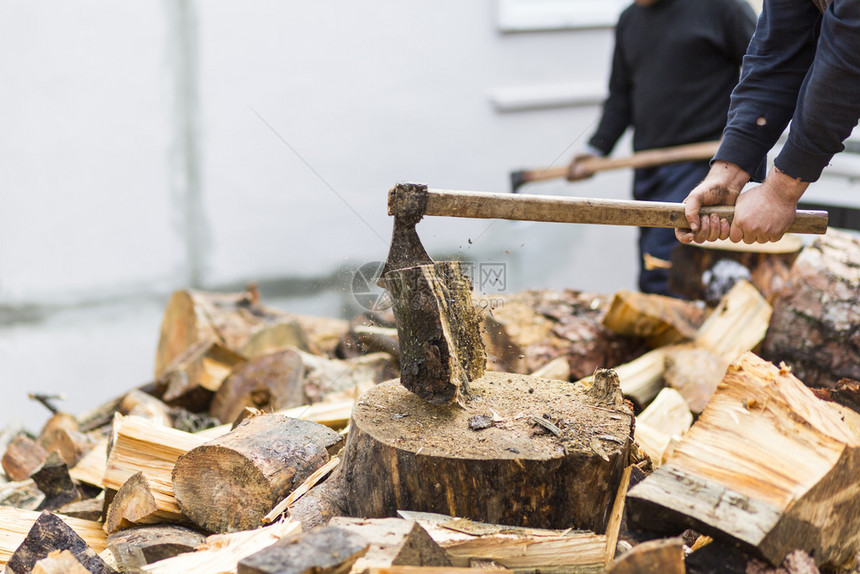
column 724, row 438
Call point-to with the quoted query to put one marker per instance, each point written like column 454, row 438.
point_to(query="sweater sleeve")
column 828, row 106
column 774, row 67
column 617, row 109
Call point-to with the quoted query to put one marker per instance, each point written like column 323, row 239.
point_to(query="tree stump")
column 433, row 307
column 814, row 323
column 520, row 451
column 230, row 483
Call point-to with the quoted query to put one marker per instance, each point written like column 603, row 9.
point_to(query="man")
column 802, row 65
column 673, row 70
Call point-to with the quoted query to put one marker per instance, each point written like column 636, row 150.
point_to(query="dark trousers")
column 672, row 183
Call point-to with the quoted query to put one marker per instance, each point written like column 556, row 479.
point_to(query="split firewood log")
column 17, row 523
column 767, row 466
column 48, row 533
column 140, row 445
column 192, row 378
column 134, row 504
column 707, row 272
column 138, row 546
column 520, row 549
column 813, row 328
column 231, row 482
column 527, row 330
column 393, row 542
column 53, row 479
column 268, row 382
column 662, row 424
column 90, row 469
column 59, row 562
column 87, row 509
column 565, row 448
column 664, row 556
column 433, row 305
column 694, row 372
column 23, row 494
column 658, row 319
column 231, row 320
column 222, row 552
column 137, row 403
column 324, row 550
column 325, row 379
column 22, row 457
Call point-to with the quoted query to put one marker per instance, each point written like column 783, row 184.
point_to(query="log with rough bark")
column 814, row 324
column 658, row 319
column 393, row 542
column 324, row 550
column 520, row 549
column 136, row 547
column 49, row 532
column 22, row 457
column 438, row 328
column 321, row 503
column 222, row 552
column 60, row 562
column 527, row 330
column 708, row 272
column 767, row 466
column 140, row 445
column 231, row 482
column 664, row 556
column 269, row 382
column 519, row 451
column 192, row 379
column 230, row 319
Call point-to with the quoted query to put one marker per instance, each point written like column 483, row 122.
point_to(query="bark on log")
column 658, row 319
column 321, row 504
column 88, row 509
column 192, row 379
column 269, row 382
column 323, row 550
column 136, row 547
column 22, row 457
column 231, row 482
column 664, row 556
column 24, row 494
column 527, row 330
column 393, row 542
column 708, row 272
column 50, row 533
column 60, row 562
column 814, row 324
column 438, row 328
column 229, row 319
column 403, row 453
column 767, row 465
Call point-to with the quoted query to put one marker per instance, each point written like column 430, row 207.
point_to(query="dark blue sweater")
column 673, row 70
column 802, row 67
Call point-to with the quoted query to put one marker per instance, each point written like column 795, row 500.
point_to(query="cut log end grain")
column 403, row 453
column 232, row 482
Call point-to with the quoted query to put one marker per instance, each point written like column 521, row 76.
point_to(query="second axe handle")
column 485, row 205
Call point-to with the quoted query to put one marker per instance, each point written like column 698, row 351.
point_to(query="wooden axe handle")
column 484, row 205
column 646, row 158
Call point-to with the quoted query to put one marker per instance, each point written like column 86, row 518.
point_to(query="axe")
column 409, row 202
column 641, row 159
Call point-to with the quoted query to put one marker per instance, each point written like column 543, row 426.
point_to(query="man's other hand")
column 578, row 168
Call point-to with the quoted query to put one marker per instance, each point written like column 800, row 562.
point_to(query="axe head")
column 518, row 178
column 407, row 203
